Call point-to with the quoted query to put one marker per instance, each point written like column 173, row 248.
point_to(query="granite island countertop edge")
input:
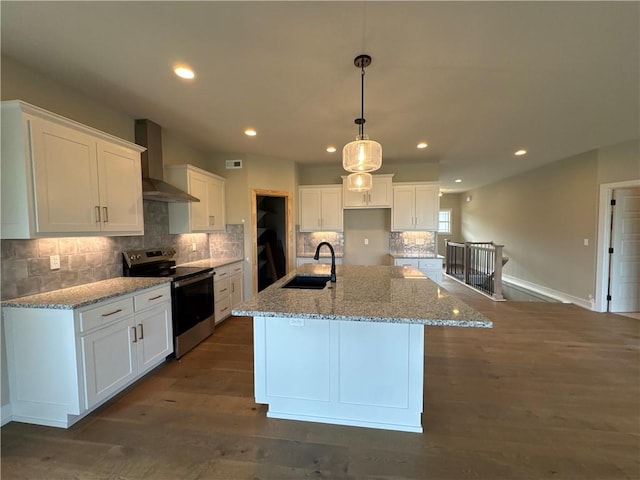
column 413, row 299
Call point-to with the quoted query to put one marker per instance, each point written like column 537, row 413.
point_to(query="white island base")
column 366, row 374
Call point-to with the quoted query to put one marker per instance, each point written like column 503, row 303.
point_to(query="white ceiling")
column 476, row 80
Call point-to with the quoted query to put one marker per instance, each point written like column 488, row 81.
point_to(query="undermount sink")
column 317, row 282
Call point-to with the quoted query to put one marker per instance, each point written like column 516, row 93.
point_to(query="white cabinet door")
column 65, row 179
column 236, row 289
column 216, row 195
column 331, row 218
column 310, row 210
column 198, row 187
column 155, row 339
column 320, row 208
column 381, row 192
column 403, row 214
column 415, row 207
column 427, row 204
column 120, row 189
column 353, row 199
column 207, row 215
column 380, row 195
column 109, row 356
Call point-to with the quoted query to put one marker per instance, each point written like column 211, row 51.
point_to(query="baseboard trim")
column 5, row 414
column 549, row 292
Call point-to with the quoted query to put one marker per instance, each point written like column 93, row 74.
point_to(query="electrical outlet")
column 193, row 247
column 585, row 242
column 54, row 262
column 366, row 241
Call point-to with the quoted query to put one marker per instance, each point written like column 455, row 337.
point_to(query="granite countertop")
column 373, row 293
column 83, row 295
column 212, row 262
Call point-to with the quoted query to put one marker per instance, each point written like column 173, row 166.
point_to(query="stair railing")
column 476, row 264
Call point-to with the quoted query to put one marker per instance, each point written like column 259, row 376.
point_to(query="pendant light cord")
column 361, row 129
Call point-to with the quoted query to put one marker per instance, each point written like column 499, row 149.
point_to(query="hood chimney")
column 149, row 134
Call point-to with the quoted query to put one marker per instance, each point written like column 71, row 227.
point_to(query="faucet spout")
column 333, row 259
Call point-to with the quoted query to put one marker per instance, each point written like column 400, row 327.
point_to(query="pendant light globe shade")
column 362, row 155
column 359, row 182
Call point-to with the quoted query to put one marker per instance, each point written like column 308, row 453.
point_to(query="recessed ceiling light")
column 422, row 145
column 250, row 132
column 521, row 152
column 458, row 180
column 184, row 72
column 331, row 149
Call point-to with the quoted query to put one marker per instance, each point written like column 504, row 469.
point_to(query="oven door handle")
column 189, row 281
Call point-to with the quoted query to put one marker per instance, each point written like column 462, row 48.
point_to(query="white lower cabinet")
column 227, row 289
column 431, row 267
column 109, row 361
column 62, row 364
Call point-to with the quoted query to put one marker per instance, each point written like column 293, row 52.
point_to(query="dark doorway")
column 271, row 239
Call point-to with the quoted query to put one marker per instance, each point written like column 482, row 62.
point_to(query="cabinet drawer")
column 105, row 314
column 407, row 262
column 221, row 273
column 152, row 297
column 222, row 309
column 221, row 289
column 235, row 268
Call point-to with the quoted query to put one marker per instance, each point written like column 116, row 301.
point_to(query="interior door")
column 625, row 260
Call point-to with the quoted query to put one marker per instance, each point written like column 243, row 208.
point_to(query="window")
column 444, row 220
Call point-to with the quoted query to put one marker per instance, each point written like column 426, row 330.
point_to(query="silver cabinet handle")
column 98, row 220
column 141, row 331
column 135, row 335
column 233, row 288
column 155, row 298
column 105, row 210
column 223, row 290
column 111, row 313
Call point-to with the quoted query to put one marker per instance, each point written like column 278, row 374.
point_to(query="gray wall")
column 543, row 216
column 374, row 225
column 452, row 201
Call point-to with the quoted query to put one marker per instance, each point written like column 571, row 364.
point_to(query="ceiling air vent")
column 233, row 164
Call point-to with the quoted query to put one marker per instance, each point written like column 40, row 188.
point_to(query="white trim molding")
column 604, row 239
column 5, row 414
column 548, row 292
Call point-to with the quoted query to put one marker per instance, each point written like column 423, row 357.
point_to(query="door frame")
column 600, row 303
column 288, row 198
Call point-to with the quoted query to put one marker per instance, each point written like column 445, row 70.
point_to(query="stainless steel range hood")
column 149, row 134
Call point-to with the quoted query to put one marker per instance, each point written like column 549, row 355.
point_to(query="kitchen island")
column 351, row 353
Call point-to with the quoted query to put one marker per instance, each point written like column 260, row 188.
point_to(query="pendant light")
column 359, row 182
column 362, row 155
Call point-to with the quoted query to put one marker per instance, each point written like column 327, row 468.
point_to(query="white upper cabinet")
column 380, row 195
column 415, row 206
column 207, row 215
column 62, row 178
column 320, row 208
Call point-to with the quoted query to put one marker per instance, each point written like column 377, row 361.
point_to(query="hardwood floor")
column 552, row 391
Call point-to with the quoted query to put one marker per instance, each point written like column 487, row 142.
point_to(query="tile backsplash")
column 306, row 242
column 412, row 243
column 25, row 263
